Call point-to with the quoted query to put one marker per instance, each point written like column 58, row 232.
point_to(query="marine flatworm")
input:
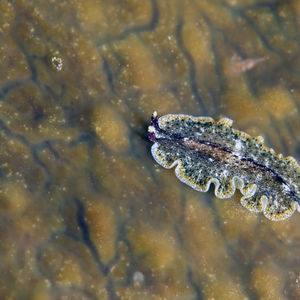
column 207, row 151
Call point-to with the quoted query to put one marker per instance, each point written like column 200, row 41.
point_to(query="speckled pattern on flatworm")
column 207, row 151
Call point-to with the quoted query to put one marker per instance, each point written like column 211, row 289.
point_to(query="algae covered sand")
column 85, row 212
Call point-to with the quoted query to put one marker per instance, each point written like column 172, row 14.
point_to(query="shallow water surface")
column 85, row 211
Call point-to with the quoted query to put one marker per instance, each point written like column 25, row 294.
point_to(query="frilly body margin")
column 237, row 183
column 227, row 122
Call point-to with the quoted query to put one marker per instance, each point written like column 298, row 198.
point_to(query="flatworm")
column 208, row 151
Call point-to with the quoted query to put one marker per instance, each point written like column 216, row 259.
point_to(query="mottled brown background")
column 85, row 212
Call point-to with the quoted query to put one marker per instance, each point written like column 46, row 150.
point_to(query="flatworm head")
column 205, row 151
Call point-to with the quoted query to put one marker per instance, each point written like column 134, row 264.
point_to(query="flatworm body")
column 207, row 151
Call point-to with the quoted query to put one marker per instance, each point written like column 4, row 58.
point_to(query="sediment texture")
column 85, row 212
